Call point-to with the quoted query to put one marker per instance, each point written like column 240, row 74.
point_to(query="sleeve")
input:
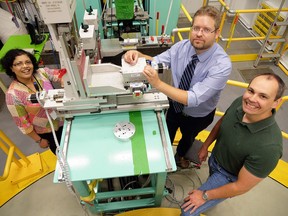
column 51, row 74
column 19, row 113
column 164, row 57
column 263, row 162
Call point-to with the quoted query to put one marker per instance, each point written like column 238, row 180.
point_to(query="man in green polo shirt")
column 248, row 146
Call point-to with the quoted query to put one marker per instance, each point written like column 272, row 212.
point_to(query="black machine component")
column 36, row 37
column 125, row 19
column 84, row 27
column 90, row 10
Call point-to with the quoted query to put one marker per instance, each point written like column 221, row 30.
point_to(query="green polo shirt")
column 257, row 146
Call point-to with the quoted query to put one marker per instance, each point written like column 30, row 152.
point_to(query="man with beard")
column 200, row 69
column 248, row 146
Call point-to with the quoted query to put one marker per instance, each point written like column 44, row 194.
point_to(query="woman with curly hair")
column 28, row 79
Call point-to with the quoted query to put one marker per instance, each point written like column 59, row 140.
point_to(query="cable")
column 63, row 163
column 198, row 176
column 171, row 198
column 168, row 15
column 193, row 183
column 147, row 181
column 54, row 55
column 174, row 188
column 129, row 183
column 61, row 159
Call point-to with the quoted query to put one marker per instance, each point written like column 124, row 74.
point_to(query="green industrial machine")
column 148, row 17
column 124, row 9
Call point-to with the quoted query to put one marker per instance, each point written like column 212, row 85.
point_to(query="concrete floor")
column 44, row 198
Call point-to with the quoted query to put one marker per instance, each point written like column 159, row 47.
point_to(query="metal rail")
column 164, row 141
column 230, row 38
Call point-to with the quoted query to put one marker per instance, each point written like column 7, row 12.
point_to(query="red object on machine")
column 62, row 72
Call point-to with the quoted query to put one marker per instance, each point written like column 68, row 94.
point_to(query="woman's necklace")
column 36, row 84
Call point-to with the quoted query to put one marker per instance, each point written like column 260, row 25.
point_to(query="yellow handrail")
column 229, row 39
column 248, row 38
column 17, row 150
column 249, row 10
column 232, row 29
column 186, row 12
column 222, row 22
column 11, row 150
column 262, row 11
column 7, row 151
column 8, row 164
column 237, row 83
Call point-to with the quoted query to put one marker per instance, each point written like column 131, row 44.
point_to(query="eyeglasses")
column 21, row 64
column 203, row 30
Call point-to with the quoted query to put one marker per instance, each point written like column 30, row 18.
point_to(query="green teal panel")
column 124, row 9
column 138, row 145
column 155, row 151
column 162, row 6
column 95, row 153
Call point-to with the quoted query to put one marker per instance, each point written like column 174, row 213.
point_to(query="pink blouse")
column 31, row 116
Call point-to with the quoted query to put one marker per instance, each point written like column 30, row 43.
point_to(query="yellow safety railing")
column 18, row 170
column 230, row 38
column 235, row 21
column 4, row 142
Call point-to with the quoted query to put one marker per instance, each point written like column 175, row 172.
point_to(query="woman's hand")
column 62, row 83
column 62, row 72
column 44, row 143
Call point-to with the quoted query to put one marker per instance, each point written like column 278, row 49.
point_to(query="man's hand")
column 131, row 57
column 193, row 201
column 152, row 76
column 203, row 154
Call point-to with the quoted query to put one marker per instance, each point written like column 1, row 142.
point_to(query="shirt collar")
column 205, row 55
column 256, row 126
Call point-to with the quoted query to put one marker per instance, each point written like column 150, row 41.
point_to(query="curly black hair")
column 8, row 59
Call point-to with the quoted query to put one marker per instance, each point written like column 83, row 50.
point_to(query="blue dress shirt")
column 210, row 75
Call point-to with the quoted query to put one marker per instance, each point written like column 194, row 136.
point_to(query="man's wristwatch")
column 205, row 196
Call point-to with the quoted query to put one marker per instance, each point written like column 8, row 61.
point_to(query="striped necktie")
column 186, row 80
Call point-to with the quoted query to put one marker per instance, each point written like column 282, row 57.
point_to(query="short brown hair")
column 210, row 11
